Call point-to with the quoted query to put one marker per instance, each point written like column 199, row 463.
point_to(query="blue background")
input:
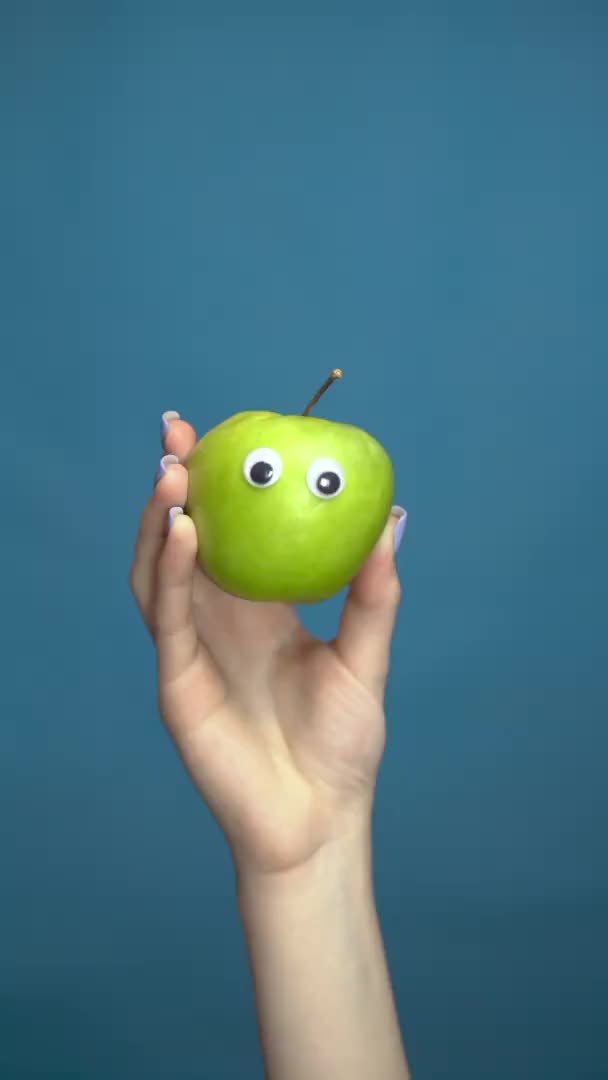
column 206, row 213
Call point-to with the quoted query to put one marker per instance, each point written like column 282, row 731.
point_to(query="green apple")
column 287, row 507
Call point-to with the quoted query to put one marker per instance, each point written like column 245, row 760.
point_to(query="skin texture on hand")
column 282, row 735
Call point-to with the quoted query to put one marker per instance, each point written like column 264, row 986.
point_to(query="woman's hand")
column 281, row 733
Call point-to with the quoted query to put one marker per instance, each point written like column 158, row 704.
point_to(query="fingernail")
column 173, row 513
column 167, row 459
column 165, row 420
column 400, row 513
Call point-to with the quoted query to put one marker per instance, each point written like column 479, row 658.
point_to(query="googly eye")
column 325, row 478
column 262, row 468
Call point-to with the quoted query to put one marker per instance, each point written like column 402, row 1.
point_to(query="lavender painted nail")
column 400, row 513
column 173, row 513
column 167, row 459
column 165, row 420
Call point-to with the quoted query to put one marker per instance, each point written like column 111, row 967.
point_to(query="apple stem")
column 335, row 374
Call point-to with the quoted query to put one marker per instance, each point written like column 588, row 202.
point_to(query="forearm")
column 324, row 1000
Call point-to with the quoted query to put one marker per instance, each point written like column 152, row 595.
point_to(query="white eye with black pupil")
column 325, row 478
column 262, row 467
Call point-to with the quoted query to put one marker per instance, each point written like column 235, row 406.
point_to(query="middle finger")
column 170, row 489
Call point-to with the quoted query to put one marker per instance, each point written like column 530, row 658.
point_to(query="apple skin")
column 282, row 542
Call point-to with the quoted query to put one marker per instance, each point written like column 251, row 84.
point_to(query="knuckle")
column 393, row 591
column 133, row 579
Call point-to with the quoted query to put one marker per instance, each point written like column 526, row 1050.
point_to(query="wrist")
column 340, row 871
column 323, row 993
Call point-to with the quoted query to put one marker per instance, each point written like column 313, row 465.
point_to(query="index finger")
column 177, row 436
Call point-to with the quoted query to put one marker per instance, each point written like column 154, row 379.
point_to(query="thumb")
column 369, row 612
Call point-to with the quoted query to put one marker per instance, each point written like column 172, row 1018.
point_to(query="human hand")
column 281, row 733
